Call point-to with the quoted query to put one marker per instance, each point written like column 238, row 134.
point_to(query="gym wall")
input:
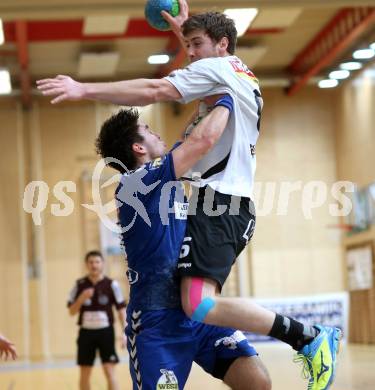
column 303, row 138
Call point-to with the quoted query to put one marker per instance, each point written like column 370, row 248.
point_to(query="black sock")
column 292, row 332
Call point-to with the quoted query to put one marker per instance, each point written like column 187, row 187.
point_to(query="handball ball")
column 153, row 15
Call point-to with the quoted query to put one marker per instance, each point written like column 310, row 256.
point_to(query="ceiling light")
column 5, row 85
column 242, row 18
column 363, row 54
column 328, row 83
column 351, row 65
column 1, row 32
column 158, row 59
column 339, row 74
column 369, row 73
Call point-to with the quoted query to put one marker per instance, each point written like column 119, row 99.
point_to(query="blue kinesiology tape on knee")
column 202, row 309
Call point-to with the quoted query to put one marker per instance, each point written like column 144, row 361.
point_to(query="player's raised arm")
column 203, row 137
column 138, row 92
column 177, row 21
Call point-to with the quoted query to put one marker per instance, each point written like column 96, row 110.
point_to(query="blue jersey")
column 152, row 215
column 162, row 341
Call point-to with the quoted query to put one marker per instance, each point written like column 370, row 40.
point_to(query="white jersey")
column 230, row 166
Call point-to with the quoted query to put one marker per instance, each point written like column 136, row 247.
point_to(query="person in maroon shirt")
column 93, row 298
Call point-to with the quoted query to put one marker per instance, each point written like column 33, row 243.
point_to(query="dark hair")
column 215, row 24
column 93, row 253
column 116, row 138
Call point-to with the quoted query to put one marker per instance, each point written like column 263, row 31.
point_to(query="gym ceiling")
column 289, row 43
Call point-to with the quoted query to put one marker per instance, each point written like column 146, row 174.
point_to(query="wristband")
column 225, row 101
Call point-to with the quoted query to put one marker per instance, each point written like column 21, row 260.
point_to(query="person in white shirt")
column 223, row 221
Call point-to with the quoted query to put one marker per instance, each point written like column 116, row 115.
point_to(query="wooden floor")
column 356, row 371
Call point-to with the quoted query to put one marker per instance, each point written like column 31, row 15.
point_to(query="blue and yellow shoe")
column 319, row 358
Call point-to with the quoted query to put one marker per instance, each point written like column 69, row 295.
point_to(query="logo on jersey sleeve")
column 168, row 380
column 132, row 276
column 157, row 163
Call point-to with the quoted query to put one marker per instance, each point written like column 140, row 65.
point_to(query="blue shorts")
column 163, row 344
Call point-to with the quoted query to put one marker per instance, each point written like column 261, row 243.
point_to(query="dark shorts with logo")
column 214, row 238
column 163, row 344
column 91, row 340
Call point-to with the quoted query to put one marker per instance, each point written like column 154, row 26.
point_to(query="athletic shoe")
column 319, row 358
